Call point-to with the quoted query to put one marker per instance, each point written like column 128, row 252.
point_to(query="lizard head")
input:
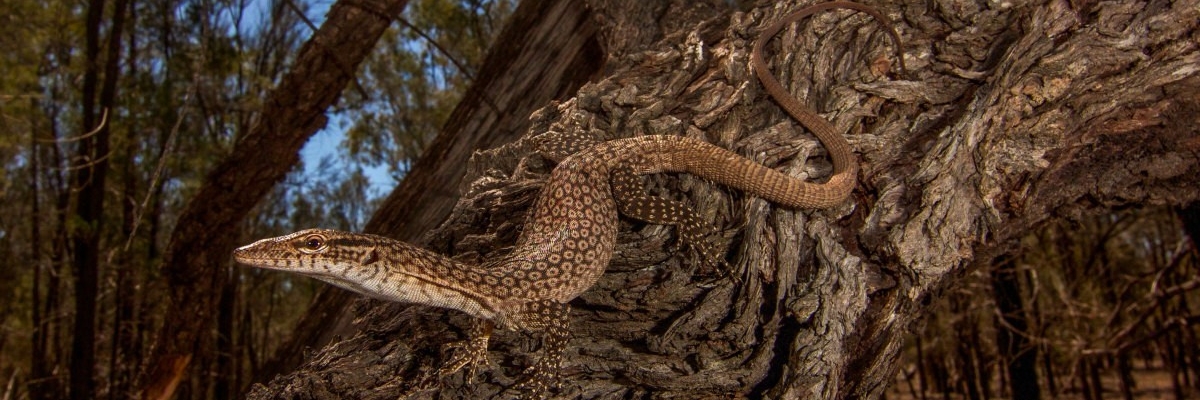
column 313, row 252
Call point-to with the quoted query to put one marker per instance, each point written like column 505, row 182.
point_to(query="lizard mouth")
column 243, row 256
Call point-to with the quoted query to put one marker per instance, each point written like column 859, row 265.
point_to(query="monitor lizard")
column 570, row 237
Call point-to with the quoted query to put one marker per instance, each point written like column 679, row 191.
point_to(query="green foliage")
column 412, row 84
column 33, row 30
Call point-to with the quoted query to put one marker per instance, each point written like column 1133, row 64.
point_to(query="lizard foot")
column 536, row 383
column 549, row 317
column 470, row 353
column 467, row 353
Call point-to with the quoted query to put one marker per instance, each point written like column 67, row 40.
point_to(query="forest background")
column 114, row 112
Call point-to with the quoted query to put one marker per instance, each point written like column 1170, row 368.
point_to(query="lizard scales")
column 577, row 207
column 569, row 240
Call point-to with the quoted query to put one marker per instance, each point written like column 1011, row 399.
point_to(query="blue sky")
column 327, row 141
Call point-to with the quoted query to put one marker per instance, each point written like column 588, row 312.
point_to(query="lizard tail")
column 661, row 153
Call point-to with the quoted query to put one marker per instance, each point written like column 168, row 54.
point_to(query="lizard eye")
column 312, row 244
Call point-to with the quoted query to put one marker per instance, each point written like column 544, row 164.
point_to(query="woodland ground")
column 1152, row 384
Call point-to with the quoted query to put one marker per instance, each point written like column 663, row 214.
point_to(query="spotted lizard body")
column 569, row 239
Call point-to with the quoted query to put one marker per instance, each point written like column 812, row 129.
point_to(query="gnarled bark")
column 1009, row 116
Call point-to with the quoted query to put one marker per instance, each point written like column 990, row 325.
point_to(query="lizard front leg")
column 470, row 353
column 550, row 318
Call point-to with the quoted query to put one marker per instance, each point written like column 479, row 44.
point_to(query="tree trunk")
column 1190, row 216
column 198, row 252
column 85, row 239
column 40, row 363
column 90, row 168
column 967, row 341
column 1009, row 117
column 227, row 346
column 1012, row 331
column 54, row 385
column 126, row 350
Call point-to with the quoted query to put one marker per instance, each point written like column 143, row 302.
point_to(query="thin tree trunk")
column 1011, row 116
column 39, row 373
column 84, row 239
column 90, row 170
column 1190, row 216
column 1039, row 324
column 1191, row 368
column 59, row 267
column 965, row 342
column 125, row 285
column 227, row 347
column 124, row 359
column 1125, row 376
column 942, row 376
column 1011, row 330
column 1081, row 377
column 983, row 365
column 922, row 370
column 1175, row 364
column 1188, row 369
column 1094, row 382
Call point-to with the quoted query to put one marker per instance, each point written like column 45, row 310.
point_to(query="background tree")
column 1107, row 308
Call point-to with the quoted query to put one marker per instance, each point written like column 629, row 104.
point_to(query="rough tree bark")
column 198, row 252
column 1009, row 116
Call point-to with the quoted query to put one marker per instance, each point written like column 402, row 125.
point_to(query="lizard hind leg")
column 634, row 202
column 551, row 319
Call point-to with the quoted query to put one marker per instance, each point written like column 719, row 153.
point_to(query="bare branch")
column 93, row 132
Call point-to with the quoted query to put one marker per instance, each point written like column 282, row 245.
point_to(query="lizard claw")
column 468, row 353
column 536, row 382
column 471, row 352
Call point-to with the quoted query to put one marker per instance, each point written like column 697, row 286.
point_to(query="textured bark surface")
column 1009, row 116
